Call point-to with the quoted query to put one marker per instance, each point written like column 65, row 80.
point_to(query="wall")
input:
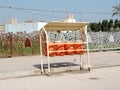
column 21, row 27
column 2, row 28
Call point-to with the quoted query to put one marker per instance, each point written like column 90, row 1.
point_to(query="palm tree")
column 116, row 10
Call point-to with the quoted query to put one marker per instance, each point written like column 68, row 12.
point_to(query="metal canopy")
column 54, row 26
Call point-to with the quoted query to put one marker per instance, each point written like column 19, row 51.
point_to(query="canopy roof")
column 54, row 26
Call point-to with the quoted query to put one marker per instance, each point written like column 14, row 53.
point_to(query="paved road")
column 97, row 79
column 99, row 59
column 30, row 65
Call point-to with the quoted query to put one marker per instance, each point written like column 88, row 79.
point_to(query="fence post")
column 100, row 41
column 11, row 44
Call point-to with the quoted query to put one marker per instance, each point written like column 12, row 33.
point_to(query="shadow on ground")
column 56, row 65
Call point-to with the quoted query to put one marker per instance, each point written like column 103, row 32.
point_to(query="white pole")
column 47, row 50
column 48, row 55
column 81, row 64
column 88, row 59
column 41, row 55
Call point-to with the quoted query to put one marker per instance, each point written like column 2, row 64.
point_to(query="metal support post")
column 41, row 55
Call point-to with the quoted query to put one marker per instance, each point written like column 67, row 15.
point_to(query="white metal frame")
column 48, row 57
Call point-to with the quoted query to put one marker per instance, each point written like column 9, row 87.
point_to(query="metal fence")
column 104, row 40
column 22, row 43
column 98, row 41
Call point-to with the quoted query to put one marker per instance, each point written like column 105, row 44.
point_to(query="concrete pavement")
column 30, row 65
column 97, row 79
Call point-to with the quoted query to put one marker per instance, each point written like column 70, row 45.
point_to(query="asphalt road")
column 97, row 79
column 97, row 59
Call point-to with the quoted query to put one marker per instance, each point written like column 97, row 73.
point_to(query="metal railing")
column 103, row 41
column 21, row 43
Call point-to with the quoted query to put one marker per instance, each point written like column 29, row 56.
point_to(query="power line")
column 41, row 14
column 31, row 11
column 53, row 11
column 48, row 13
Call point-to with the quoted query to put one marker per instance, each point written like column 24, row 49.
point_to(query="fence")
column 98, row 41
column 101, row 41
column 22, row 43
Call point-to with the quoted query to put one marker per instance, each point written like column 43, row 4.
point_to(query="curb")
column 16, row 74
column 105, row 66
column 27, row 73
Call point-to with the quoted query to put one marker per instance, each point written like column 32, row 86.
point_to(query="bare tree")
column 116, row 10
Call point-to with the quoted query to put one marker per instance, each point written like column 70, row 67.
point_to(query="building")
column 2, row 28
column 24, row 27
column 30, row 26
column 69, row 18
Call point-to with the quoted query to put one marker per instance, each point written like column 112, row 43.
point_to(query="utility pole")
column 33, row 15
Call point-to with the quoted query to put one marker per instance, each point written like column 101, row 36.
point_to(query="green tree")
column 99, row 26
column 92, row 26
column 116, row 10
column 116, row 23
column 104, row 25
column 110, row 24
column 119, row 24
column 95, row 26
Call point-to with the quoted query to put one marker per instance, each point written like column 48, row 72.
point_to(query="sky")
column 48, row 10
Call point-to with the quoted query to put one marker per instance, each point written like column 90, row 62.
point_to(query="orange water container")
column 69, row 47
column 59, row 49
column 79, row 48
column 51, row 47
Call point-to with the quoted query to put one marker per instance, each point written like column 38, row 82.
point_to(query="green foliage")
column 95, row 26
column 15, row 45
column 0, row 43
column 116, row 24
column 105, row 25
column 119, row 24
column 27, row 50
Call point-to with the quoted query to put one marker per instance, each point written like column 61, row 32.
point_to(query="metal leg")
column 49, row 64
column 81, row 64
column 41, row 55
column 42, row 65
column 74, row 58
column 88, row 59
